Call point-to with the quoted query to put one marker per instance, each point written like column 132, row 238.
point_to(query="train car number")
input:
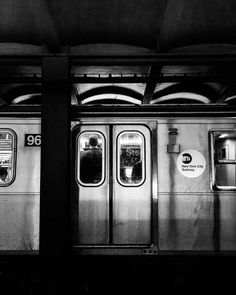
column 32, row 139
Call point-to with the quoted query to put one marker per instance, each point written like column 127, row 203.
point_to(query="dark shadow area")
column 118, row 275
column 155, row 275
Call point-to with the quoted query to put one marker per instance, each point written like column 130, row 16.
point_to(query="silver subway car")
column 20, row 142
column 181, row 199
column 155, row 185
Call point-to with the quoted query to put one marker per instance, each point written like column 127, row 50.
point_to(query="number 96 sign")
column 32, row 139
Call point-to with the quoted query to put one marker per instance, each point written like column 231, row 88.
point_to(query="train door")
column 112, row 194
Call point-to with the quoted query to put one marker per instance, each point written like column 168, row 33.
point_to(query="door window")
column 130, row 158
column 224, row 159
column 7, row 157
column 90, row 168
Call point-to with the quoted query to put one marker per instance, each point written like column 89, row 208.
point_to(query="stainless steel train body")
column 183, row 200
column 20, row 194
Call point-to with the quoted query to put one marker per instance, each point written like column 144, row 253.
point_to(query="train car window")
column 130, row 158
column 224, row 159
column 7, row 156
column 90, row 170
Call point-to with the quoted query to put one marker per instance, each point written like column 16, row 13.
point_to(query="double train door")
column 112, row 185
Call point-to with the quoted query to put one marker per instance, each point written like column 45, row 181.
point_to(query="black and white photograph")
column 117, row 147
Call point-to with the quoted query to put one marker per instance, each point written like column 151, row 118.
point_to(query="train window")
column 7, row 156
column 91, row 158
column 130, row 158
column 224, row 159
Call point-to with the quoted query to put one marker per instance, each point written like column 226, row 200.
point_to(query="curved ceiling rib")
column 33, row 96
column 25, row 91
column 182, row 95
column 110, row 97
column 114, row 90
column 231, row 99
column 202, row 89
column 27, row 98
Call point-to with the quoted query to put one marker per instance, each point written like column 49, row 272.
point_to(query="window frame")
column 14, row 155
column 214, row 186
column 118, row 160
column 78, row 159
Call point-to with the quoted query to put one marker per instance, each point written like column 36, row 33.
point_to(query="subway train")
column 166, row 183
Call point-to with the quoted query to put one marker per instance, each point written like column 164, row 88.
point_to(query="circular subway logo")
column 186, row 158
column 191, row 163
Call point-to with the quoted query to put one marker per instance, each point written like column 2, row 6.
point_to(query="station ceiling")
column 122, row 27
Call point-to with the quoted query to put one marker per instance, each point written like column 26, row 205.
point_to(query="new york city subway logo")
column 191, row 163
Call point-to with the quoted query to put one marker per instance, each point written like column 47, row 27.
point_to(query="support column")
column 55, row 171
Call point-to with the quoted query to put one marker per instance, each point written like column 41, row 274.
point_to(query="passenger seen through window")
column 3, row 174
column 90, row 158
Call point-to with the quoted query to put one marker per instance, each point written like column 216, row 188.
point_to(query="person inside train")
column 137, row 172
column 91, row 162
column 3, row 174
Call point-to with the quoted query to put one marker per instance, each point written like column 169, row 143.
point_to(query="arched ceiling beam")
column 182, row 95
column 110, row 89
column 26, row 98
column 231, row 98
column 20, row 90
column 203, row 89
column 111, row 96
column 136, row 87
